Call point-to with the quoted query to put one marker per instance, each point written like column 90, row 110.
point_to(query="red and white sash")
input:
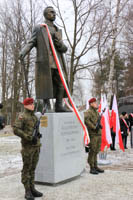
column 131, row 115
column 86, row 136
column 126, row 124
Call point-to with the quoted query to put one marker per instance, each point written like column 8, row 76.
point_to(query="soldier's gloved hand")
column 100, row 126
column 34, row 140
column 39, row 135
column 21, row 56
column 97, row 129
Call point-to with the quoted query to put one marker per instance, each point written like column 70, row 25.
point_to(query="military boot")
column 93, row 171
column 99, row 170
column 28, row 195
column 36, row 193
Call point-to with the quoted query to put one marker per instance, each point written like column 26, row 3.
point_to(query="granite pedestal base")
column 62, row 154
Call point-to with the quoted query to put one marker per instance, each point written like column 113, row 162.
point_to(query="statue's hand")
column 57, row 39
column 57, row 36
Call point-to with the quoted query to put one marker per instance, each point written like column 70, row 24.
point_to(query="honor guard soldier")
column 24, row 128
column 94, row 129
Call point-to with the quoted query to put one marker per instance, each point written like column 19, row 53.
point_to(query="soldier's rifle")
column 36, row 134
column 98, row 124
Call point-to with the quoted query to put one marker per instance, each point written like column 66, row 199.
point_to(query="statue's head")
column 49, row 13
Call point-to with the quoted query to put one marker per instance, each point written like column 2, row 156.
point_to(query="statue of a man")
column 48, row 84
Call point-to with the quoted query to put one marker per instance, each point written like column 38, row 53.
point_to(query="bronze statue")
column 48, row 84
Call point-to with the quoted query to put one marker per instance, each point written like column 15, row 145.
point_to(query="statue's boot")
column 58, row 105
column 28, row 195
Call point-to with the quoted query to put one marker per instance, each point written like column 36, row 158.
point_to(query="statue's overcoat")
column 44, row 60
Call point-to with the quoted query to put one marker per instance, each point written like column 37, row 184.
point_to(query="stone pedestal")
column 62, row 153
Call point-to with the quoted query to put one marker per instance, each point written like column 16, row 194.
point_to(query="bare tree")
column 117, row 28
column 15, row 27
column 128, row 46
column 84, row 21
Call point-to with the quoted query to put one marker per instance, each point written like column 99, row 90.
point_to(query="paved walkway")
column 112, row 185
column 115, row 184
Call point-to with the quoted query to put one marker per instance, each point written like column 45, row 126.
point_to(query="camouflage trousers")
column 30, row 157
column 95, row 145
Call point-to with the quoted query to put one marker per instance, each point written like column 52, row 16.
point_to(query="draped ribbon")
column 68, row 105
column 86, row 136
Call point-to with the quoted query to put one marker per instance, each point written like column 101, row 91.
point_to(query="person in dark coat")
column 130, row 117
column 2, row 117
column 131, row 128
column 48, row 84
column 112, row 146
column 124, row 128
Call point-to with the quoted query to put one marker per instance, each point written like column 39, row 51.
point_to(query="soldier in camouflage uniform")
column 91, row 118
column 23, row 128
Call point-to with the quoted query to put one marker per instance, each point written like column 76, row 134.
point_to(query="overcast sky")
column 67, row 12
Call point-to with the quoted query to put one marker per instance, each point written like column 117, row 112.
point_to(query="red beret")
column 92, row 100
column 28, row 101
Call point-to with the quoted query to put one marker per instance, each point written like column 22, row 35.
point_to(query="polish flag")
column 105, row 122
column 115, row 123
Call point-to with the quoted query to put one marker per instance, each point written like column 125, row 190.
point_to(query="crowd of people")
column 91, row 119
column 126, row 122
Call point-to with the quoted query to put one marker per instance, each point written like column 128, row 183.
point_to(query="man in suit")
column 130, row 120
column 124, row 128
column 47, row 80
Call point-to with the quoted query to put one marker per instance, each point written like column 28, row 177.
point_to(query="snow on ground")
column 115, row 184
column 10, row 158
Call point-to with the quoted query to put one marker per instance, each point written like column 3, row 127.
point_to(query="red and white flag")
column 115, row 123
column 105, row 122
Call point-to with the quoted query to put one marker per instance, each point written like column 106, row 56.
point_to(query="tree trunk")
column 113, row 49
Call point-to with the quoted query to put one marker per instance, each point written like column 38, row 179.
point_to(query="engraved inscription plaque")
column 44, row 121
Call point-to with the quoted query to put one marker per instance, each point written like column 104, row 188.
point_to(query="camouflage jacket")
column 91, row 117
column 24, row 126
